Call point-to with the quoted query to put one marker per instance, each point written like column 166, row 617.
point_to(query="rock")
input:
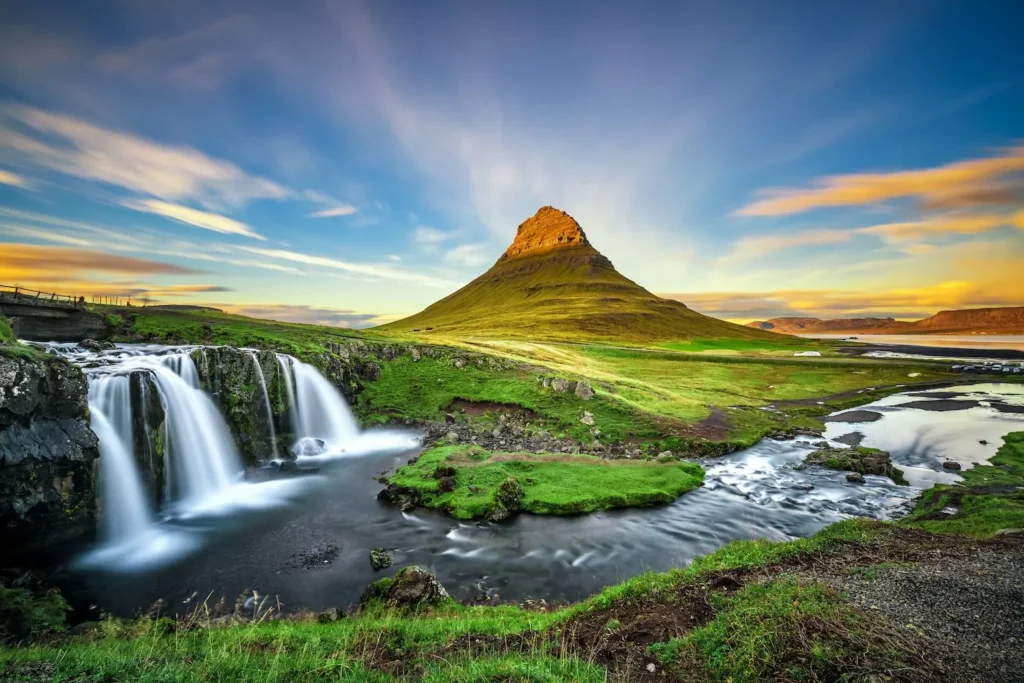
column 444, row 472
column 808, row 486
column 1009, row 532
column 584, row 391
column 330, row 615
column 446, row 484
column 983, row 442
column 857, row 459
column 450, row 418
column 588, row 418
column 855, row 477
column 415, row 353
column 452, row 436
column 380, row 559
column 48, row 454
column 506, row 500
column 411, row 587
column 458, row 362
column 93, row 345
column 370, row 371
column 563, row 385
column 952, row 465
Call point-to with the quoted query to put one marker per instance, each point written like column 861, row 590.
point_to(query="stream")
column 305, row 539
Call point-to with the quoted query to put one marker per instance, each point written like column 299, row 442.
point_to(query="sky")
column 348, row 163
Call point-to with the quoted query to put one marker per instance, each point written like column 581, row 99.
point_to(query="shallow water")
column 960, row 341
column 306, row 539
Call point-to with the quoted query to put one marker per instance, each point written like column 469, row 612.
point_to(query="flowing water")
column 306, row 539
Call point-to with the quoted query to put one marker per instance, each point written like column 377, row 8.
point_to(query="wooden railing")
column 24, row 295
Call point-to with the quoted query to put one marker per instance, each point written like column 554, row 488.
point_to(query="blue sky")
column 349, row 163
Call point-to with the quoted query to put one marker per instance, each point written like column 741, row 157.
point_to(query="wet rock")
column 446, row 484
column 506, row 501
column 380, row 559
column 330, row 615
column 952, row 465
column 855, row 477
column 411, row 587
column 584, row 391
column 94, row 345
column 808, row 486
column 857, row 459
column 588, row 418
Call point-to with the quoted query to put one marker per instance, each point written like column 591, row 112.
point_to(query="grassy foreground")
column 742, row 618
column 545, row 484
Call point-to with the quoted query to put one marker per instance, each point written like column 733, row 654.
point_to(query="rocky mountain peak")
column 546, row 230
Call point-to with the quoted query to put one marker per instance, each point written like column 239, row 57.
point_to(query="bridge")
column 49, row 316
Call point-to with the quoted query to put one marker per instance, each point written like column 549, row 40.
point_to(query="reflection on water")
column 756, row 493
column 961, row 341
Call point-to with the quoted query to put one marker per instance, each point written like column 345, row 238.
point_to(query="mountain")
column 1005, row 320
column 552, row 284
column 796, row 325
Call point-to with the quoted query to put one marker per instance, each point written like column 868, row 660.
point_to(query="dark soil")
column 480, row 408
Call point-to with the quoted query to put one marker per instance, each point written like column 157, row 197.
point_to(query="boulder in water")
column 380, row 559
column 855, row 478
column 859, row 460
column 952, row 465
column 411, row 587
column 94, row 345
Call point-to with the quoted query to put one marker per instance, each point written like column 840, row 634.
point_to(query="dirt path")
column 965, row 598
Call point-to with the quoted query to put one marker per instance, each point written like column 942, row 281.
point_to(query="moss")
column 488, row 484
column 6, row 331
column 857, row 459
column 26, row 615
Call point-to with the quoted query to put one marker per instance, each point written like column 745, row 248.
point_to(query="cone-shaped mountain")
column 551, row 284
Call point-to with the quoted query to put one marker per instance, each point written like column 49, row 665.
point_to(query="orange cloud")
column 12, row 179
column 953, row 225
column 62, row 260
column 970, row 180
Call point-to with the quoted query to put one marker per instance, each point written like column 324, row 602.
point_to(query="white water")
column 266, row 402
column 288, row 380
column 125, row 512
column 320, row 413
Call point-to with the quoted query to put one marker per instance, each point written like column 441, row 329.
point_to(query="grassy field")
column 550, row 484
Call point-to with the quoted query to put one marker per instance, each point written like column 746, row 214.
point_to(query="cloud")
column 970, row 179
column 13, row 179
column 467, row 255
column 303, row 314
column 193, row 217
column 58, row 259
column 426, row 235
column 75, row 147
column 754, row 247
column 344, row 210
column 394, row 257
column 383, row 272
column 894, row 233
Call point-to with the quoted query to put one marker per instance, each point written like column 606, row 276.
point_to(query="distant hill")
column 1006, row 320
column 552, row 284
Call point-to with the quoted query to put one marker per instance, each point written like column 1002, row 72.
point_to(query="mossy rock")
column 858, row 459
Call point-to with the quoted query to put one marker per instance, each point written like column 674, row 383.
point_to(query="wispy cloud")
column 467, row 255
column 193, row 217
column 426, row 235
column 344, row 210
column 84, row 150
column 380, row 271
column 970, row 180
column 13, row 179
column 895, row 233
column 31, row 257
column 757, row 246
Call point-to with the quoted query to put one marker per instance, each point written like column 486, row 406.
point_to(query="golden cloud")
column 66, row 261
column 969, row 180
column 12, row 179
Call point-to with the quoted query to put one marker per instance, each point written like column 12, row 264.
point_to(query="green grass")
column 777, row 346
column 208, row 326
column 990, row 498
column 6, row 331
column 424, row 389
column 551, row 484
column 784, row 629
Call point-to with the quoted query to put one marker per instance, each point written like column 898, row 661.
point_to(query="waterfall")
column 266, row 402
column 288, row 380
column 319, row 412
column 182, row 365
column 125, row 512
column 199, row 447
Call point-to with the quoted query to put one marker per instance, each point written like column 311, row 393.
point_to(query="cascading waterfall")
column 126, row 514
column 202, row 455
column 266, row 401
column 183, row 366
column 321, row 413
column 288, row 380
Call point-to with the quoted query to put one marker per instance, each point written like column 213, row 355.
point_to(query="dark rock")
column 983, row 442
column 330, row 615
column 952, row 465
column 93, row 345
column 855, row 477
column 446, row 484
column 855, row 416
column 857, row 459
column 444, row 472
column 380, row 559
column 411, row 587
column 506, row 500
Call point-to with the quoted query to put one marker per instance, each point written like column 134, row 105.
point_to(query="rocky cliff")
column 1004, row 320
column 47, row 452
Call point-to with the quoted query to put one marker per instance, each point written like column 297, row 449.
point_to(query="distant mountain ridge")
column 552, row 284
column 996, row 320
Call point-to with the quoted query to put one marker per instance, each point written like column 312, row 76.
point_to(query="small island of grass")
column 469, row 482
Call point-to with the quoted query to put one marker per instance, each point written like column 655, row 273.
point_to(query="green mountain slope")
column 551, row 284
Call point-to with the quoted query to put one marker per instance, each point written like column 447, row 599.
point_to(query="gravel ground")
column 967, row 600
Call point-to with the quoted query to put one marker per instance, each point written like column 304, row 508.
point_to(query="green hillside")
column 552, row 285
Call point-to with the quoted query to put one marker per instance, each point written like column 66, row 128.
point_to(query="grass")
column 781, row 344
column 551, row 484
column 6, row 331
column 990, row 498
column 425, row 389
column 784, row 629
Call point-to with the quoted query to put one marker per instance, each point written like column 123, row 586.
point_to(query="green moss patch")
column 469, row 482
column 857, row 459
